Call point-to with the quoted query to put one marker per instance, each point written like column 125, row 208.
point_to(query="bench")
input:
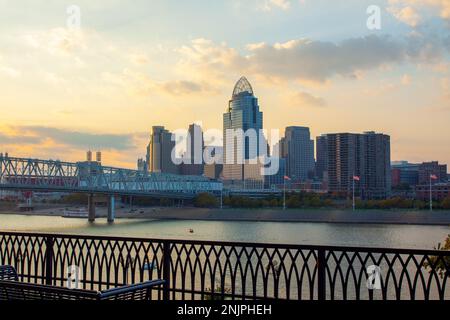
column 12, row 289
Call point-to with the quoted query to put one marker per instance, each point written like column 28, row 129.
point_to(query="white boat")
column 75, row 213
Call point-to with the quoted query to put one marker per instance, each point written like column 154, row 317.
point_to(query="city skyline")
column 104, row 86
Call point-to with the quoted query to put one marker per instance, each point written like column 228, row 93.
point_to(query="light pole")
column 353, row 191
column 355, row 178
column 432, row 177
column 431, row 195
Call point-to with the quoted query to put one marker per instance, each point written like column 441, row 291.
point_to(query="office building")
column 193, row 162
column 404, row 174
column 159, row 152
column 321, row 157
column 243, row 116
column 142, row 165
column 299, row 153
column 439, row 191
column 426, row 169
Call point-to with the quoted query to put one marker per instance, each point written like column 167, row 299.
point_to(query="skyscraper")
column 242, row 115
column 299, row 149
column 364, row 155
column 195, row 145
column 159, row 151
column 321, row 157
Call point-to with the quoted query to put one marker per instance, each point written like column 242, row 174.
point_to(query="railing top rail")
column 237, row 244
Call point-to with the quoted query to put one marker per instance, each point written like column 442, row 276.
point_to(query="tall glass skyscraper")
column 242, row 114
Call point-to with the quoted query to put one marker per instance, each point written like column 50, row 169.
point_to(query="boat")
column 75, row 213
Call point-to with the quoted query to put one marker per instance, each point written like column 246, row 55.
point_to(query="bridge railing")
column 230, row 270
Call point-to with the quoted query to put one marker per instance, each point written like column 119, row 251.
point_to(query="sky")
column 78, row 75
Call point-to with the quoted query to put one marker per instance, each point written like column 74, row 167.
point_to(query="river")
column 339, row 234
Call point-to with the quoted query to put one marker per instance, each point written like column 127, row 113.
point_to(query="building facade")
column 439, row 191
column 426, row 169
column 193, row 161
column 299, row 153
column 404, row 174
column 276, row 180
column 321, row 157
column 242, row 116
column 364, row 155
column 159, row 152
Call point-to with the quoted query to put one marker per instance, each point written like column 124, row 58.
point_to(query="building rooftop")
column 242, row 86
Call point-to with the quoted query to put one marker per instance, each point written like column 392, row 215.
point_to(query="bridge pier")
column 111, row 208
column 91, row 207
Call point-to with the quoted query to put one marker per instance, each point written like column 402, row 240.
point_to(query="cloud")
column 57, row 41
column 140, row 84
column 77, row 139
column 311, row 61
column 10, row 72
column 405, row 80
column 268, row 5
column 181, row 87
column 139, row 59
column 306, row 99
column 406, row 15
column 7, row 139
column 410, row 9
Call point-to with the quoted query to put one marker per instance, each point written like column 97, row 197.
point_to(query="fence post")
column 49, row 260
column 321, row 265
column 166, row 270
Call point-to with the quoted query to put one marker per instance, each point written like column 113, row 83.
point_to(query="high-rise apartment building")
column 159, row 152
column 366, row 156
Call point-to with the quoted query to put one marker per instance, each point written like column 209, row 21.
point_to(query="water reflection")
column 399, row 236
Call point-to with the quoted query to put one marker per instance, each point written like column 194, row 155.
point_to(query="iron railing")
column 230, row 270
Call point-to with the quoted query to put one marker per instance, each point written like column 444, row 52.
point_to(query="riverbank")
column 411, row 217
column 311, row 215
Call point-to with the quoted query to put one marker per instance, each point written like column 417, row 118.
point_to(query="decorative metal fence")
column 230, row 270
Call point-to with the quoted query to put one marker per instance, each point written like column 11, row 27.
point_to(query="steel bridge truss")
column 91, row 177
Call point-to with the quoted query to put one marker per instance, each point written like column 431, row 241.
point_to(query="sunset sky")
column 136, row 64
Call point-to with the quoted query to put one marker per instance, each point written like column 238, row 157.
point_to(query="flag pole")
column 353, row 179
column 284, row 188
column 431, row 196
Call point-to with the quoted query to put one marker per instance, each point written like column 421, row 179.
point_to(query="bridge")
column 92, row 178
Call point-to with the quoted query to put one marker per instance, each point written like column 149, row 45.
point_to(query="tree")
column 440, row 264
column 205, row 200
column 445, row 204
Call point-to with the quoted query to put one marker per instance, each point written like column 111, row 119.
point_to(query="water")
column 365, row 235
